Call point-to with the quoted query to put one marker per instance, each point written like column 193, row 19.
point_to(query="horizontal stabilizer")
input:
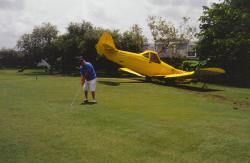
column 131, row 71
column 209, row 71
column 203, row 72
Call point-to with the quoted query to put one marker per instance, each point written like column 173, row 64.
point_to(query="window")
column 191, row 51
column 191, row 54
column 154, row 58
column 146, row 55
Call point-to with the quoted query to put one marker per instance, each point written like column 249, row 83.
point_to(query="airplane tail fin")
column 105, row 44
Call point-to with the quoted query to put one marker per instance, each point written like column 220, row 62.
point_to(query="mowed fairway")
column 132, row 122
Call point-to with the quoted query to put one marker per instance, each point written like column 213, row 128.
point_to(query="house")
column 186, row 49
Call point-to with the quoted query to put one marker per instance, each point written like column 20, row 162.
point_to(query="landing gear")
column 204, row 86
column 148, row 79
column 170, row 82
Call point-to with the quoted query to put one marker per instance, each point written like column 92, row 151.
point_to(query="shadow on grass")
column 158, row 82
column 196, row 89
column 179, row 86
column 132, row 81
column 109, row 83
column 112, row 83
column 89, row 103
column 188, row 87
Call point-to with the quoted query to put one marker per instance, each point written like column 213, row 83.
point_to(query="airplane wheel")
column 170, row 82
column 148, row 79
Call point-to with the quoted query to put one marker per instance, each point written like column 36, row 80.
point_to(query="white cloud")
column 20, row 16
column 11, row 4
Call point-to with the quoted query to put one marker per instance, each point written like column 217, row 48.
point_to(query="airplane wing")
column 182, row 75
column 203, row 72
column 185, row 77
column 131, row 71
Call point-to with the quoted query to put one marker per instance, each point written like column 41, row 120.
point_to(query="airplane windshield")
column 146, row 55
column 154, row 58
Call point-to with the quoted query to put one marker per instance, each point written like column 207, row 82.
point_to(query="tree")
column 79, row 40
column 163, row 32
column 186, row 31
column 62, row 52
column 225, row 37
column 133, row 40
column 40, row 43
column 9, row 58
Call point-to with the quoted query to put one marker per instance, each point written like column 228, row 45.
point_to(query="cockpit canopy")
column 152, row 56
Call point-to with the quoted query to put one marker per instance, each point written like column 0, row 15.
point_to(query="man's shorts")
column 89, row 85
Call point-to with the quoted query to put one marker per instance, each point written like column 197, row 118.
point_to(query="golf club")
column 76, row 95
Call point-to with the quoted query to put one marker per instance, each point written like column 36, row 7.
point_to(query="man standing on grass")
column 88, row 79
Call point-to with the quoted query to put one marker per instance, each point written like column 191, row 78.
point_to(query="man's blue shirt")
column 87, row 70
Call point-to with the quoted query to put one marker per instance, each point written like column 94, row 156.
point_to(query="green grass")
column 132, row 122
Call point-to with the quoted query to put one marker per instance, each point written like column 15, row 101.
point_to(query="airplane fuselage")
column 141, row 64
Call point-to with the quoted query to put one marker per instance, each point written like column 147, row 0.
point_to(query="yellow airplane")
column 148, row 63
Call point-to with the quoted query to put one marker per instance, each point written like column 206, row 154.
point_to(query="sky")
column 20, row 16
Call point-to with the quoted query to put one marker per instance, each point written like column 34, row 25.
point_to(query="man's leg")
column 93, row 94
column 86, row 95
column 92, row 88
column 85, row 87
